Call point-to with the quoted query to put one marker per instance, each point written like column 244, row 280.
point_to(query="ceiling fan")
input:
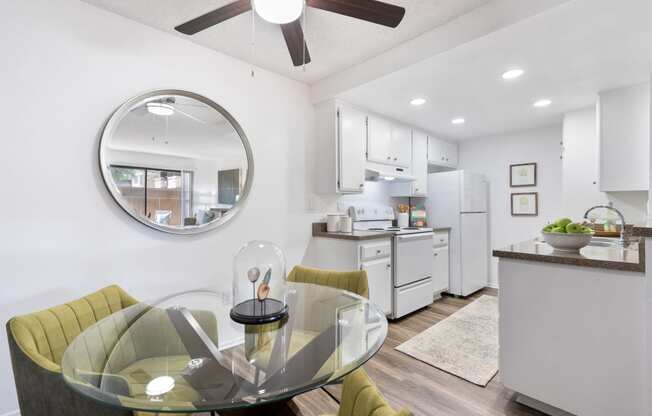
column 286, row 13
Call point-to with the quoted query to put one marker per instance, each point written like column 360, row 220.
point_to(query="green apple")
column 563, row 222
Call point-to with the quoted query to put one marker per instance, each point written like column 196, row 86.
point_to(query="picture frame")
column 525, row 204
column 523, row 174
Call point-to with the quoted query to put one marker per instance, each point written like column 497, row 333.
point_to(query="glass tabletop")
column 185, row 354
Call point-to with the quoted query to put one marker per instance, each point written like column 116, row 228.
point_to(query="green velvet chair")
column 355, row 281
column 360, row 397
column 37, row 342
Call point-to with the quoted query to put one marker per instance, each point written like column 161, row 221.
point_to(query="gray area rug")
column 464, row 344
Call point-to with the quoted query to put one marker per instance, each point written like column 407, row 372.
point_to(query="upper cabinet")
column 624, row 135
column 442, row 153
column 342, row 137
column 419, row 169
column 379, row 142
column 401, row 147
column 388, row 142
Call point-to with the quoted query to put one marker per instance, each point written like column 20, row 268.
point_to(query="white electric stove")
column 412, row 284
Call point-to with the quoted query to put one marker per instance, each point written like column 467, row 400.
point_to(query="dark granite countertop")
column 319, row 230
column 630, row 258
column 642, row 231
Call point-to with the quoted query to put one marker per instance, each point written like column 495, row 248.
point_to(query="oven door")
column 412, row 258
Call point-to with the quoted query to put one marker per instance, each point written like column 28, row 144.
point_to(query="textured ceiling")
column 335, row 42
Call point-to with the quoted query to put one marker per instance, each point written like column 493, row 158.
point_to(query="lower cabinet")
column 379, row 274
column 440, row 263
column 373, row 256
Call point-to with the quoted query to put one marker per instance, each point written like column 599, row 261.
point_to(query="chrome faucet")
column 622, row 240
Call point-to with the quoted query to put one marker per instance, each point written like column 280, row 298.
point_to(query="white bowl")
column 567, row 242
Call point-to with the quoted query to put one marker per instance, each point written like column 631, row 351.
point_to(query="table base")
column 282, row 408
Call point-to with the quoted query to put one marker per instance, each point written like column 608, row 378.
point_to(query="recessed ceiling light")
column 418, row 101
column 458, row 120
column 513, row 73
column 160, row 109
column 544, row 102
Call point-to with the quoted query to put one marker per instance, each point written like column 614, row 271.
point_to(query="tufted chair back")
column 360, row 397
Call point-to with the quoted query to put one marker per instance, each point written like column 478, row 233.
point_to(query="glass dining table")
column 184, row 354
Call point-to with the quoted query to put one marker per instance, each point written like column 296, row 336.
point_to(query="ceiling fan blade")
column 296, row 43
column 370, row 10
column 216, row 16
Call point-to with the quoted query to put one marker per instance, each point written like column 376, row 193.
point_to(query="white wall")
column 648, row 281
column 492, row 156
column 65, row 67
column 581, row 171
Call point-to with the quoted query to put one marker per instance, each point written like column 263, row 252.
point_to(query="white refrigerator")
column 457, row 200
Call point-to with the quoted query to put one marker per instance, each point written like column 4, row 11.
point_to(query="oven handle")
column 415, row 236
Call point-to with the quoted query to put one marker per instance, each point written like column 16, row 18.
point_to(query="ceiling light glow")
column 544, row 102
column 389, row 178
column 458, row 120
column 159, row 386
column 418, row 101
column 160, row 109
column 513, row 73
column 279, row 12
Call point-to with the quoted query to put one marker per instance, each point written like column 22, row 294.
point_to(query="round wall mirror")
column 176, row 161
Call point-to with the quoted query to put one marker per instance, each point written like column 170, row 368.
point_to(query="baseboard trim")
column 540, row 406
column 493, row 285
column 12, row 413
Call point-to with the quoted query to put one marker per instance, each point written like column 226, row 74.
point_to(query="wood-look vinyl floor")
column 425, row 390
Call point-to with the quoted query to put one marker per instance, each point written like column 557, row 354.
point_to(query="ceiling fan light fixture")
column 279, row 11
column 160, row 109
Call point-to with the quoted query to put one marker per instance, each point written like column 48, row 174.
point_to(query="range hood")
column 377, row 172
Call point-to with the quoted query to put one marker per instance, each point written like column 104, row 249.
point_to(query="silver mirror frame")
column 110, row 127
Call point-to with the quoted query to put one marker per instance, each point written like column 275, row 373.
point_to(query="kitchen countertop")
column 631, row 258
column 319, row 230
column 642, row 230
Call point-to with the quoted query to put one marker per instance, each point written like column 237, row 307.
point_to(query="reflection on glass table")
column 184, row 353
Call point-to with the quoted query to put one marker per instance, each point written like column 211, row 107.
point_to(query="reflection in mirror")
column 176, row 161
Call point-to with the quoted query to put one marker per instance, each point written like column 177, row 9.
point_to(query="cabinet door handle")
column 389, row 158
column 378, row 251
column 436, row 254
column 362, row 185
column 442, row 158
column 389, row 266
column 416, row 189
column 395, row 158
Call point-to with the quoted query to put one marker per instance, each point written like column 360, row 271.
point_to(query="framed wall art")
column 524, row 174
column 525, row 204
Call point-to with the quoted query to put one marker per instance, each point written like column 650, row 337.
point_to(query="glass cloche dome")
column 259, row 286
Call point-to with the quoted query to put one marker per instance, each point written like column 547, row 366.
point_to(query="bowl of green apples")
column 566, row 235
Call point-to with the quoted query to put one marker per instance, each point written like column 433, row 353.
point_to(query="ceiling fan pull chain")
column 303, row 37
column 253, row 38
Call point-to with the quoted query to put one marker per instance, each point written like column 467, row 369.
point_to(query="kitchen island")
column 572, row 327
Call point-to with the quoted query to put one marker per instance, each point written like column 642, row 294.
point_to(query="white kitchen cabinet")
column 440, row 270
column 379, row 140
column 351, row 140
column 624, row 135
column 401, row 145
column 373, row 256
column 379, row 276
column 419, row 169
column 442, row 153
column 342, row 131
column 388, row 142
column 440, row 262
